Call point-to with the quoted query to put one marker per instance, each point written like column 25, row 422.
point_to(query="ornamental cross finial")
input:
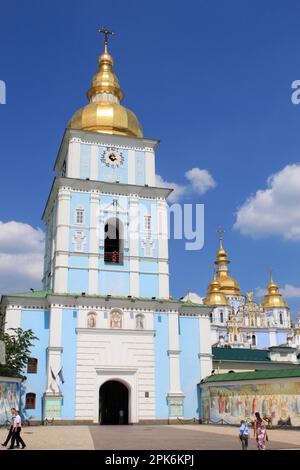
column 271, row 272
column 104, row 30
column 220, row 233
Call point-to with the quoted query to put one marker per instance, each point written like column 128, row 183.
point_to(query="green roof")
column 238, row 354
column 43, row 294
column 257, row 375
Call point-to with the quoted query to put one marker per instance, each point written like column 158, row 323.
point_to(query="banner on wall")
column 232, row 403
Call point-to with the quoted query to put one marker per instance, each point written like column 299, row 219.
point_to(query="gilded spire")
column 104, row 113
column 228, row 285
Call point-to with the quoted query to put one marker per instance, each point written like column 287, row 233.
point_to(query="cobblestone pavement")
column 181, row 437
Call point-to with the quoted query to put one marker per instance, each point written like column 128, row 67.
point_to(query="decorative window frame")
column 77, row 210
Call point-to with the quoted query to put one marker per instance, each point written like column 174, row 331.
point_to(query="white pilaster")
column 94, row 162
column 273, row 338
column 73, row 165
column 163, row 254
column 62, row 241
column 150, row 168
column 54, row 349
column 205, row 353
column 134, row 243
column 174, row 353
column 94, row 244
column 131, row 166
column 12, row 318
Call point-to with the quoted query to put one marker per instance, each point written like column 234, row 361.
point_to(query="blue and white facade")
column 101, row 319
column 105, row 315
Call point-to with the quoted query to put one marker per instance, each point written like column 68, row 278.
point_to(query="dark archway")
column 113, row 242
column 113, row 403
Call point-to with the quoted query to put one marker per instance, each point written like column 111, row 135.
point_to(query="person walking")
column 244, row 434
column 17, row 431
column 10, row 432
column 260, row 432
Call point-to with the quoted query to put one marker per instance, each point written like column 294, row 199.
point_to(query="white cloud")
column 21, row 256
column 288, row 291
column 199, row 181
column 274, row 210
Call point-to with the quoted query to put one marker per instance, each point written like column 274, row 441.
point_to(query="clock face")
column 112, row 158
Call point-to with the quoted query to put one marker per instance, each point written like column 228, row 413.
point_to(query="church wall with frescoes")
column 225, row 403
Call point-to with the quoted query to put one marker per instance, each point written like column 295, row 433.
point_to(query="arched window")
column 30, row 401
column 116, row 319
column 221, row 316
column 91, row 320
column 235, row 337
column 211, row 317
column 140, row 322
column 32, row 365
column 253, row 340
column 280, row 318
column 113, row 241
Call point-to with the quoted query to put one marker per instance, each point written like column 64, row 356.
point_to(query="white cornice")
column 102, row 188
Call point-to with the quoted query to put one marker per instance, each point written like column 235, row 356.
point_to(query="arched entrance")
column 113, row 403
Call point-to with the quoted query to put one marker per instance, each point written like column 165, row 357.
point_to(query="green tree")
column 17, row 348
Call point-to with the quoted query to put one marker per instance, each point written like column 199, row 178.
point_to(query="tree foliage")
column 18, row 348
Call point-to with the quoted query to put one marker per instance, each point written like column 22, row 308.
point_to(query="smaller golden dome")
column 273, row 298
column 214, row 295
column 228, row 285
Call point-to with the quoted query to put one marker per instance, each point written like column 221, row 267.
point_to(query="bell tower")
column 106, row 220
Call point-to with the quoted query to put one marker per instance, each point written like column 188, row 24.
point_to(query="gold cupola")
column 104, row 113
column 228, row 285
column 214, row 295
column 273, row 298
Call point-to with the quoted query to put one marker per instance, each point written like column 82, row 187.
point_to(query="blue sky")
column 212, row 80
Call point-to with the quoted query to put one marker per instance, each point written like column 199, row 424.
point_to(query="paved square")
column 136, row 437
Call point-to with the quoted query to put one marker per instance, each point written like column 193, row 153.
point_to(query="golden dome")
column 214, row 295
column 228, row 285
column 273, row 298
column 104, row 113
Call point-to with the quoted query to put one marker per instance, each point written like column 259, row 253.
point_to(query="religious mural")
column 231, row 403
column 9, row 398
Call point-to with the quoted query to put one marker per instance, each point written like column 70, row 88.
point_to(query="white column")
column 73, row 164
column 205, row 353
column 163, row 254
column 94, row 244
column 131, row 166
column 94, row 163
column 54, row 349
column 150, row 168
column 62, row 241
column 134, row 243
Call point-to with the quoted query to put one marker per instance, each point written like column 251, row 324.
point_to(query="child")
column 244, row 434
